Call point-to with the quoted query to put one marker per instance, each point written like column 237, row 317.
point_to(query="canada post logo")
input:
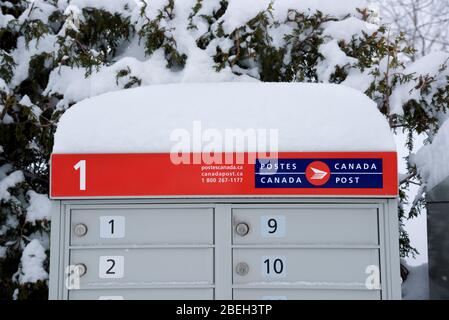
column 319, row 173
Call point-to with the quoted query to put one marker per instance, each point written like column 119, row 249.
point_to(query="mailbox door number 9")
column 272, row 226
column 111, row 267
column 112, row 227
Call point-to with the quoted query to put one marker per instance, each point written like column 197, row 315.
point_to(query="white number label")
column 274, row 298
column 111, row 267
column 110, row 298
column 274, row 267
column 112, row 227
column 272, row 226
column 81, row 166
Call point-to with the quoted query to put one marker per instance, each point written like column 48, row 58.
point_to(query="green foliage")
column 6, row 66
column 303, row 45
column 95, row 41
column 26, row 137
column 196, row 8
column 405, row 247
column 34, row 30
column 15, row 235
column 157, row 37
column 252, row 46
column 204, row 40
column 133, row 81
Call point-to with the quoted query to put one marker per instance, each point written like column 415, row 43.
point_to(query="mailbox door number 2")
column 111, row 267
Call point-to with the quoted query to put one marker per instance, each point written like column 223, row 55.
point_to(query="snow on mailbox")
column 225, row 191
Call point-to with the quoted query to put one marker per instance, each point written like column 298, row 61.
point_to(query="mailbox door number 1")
column 112, row 227
column 81, row 167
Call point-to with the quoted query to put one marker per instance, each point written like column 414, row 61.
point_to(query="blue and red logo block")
column 319, row 173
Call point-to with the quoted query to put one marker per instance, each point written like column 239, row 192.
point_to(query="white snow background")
column 152, row 70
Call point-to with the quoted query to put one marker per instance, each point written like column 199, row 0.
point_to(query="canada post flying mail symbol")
column 318, row 173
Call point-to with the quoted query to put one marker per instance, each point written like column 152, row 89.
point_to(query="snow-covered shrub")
column 427, row 100
column 54, row 53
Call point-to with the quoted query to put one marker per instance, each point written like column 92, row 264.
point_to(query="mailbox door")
column 144, row 266
column 305, row 294
column 132, row 226
column 313, row 267
column 316, row 225
column 143, row 294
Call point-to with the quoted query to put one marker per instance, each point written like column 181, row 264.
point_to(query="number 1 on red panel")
column 81, row 166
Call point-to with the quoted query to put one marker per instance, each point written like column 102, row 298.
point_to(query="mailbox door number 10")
column 274, row 267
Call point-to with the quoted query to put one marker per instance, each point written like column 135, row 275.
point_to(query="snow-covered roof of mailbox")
column 309, row 117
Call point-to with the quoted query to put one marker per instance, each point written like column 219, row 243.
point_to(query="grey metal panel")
column 304, row 294
column 223, row 252
column 341, row 224
column 79, row 204
column 390, row 258
column 383, row 239
column 312, row 267
column 387, row 248
column 143, row 294
column 65, row 255
column 143, row 267
column 55, row 249
column 440, row 193
column 146, row 226
column 438, row 240
column 438, row 237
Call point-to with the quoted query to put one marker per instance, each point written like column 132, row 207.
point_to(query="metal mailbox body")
column 190, row 249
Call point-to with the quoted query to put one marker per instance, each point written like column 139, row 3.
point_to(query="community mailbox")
column 153, row 201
